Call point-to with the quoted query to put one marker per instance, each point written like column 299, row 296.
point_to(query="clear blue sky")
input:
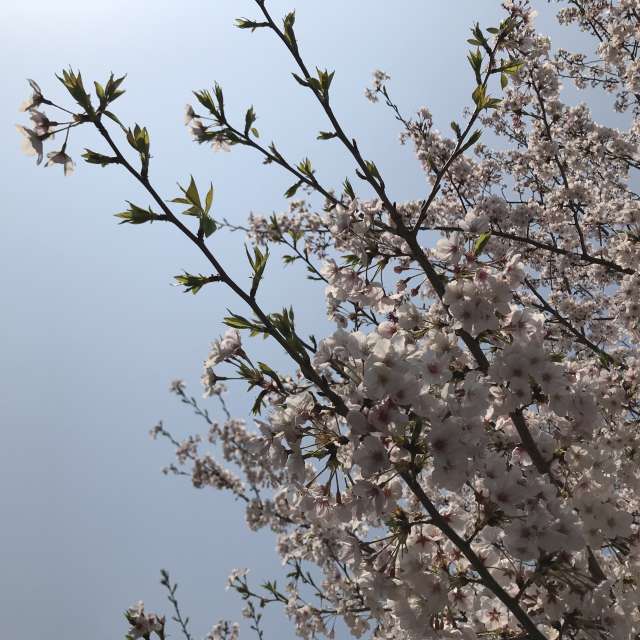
column 91, row 330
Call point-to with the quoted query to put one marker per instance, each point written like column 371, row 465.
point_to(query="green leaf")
column 206, row 100
column 110, row 92
column 258, row 264
column 112, row 89
column 209, row 199
column 473, row 138
column 479, row 38
column 99, row 90
column 247, row 23
column 192, row 194
column 504, row 81
column 138, row 138
column 314, row 83
column 479, row 96
column 296, row 235
column 207, row 224
column 138, row 215
column 291, row 191
column 475, row 60
column 191, row 198
column 115, row 118
column 507, row 25
column 306, row 168
column 97, row 158
column 193, row 283
column 273, row 149
column 372, row 169
column 73, row 83
column 300, row 80
column 324, row 79
column 266, row 369
column 481, row 243
column 249, row 119
column 239, row 322
column 288, row 23
column 511, row 67
column 348, row 189
column 259, row 402
column 605, row 359
column 327, row 135
column 217, row 89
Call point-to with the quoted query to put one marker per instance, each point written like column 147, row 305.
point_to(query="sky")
column 92, row 331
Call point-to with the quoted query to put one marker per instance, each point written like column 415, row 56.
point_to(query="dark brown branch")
column 580, row 337
column 542, row 245
column 465, row 547
column 302, row 360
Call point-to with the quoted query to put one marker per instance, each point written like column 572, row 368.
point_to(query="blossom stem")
column 165, row 582
column 543, row 245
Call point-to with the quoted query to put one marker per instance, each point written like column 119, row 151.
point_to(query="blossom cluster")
column 458, row 459
column 142, row 624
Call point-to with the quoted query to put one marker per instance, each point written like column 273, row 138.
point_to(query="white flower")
column 32, row 143
column 434, row 367
column 143, row 624
column 189, row 114
column 475, row 223
column 358, row 423
column 177, row 386
column 432, row 588
column 41, row 122
column 371, row 456
column 60, row 157
column 229, row 345
column 493, row 614
column 386, row 329
column 379, row 78
column 371, row 493
column 379, row 380
column 224, row 630
column 508, row 489
column 36, row 98
column 296, row 466
column 450, row 249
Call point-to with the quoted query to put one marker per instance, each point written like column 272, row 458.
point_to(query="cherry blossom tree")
column 460, row 458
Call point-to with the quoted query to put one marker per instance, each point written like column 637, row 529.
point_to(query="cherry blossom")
column 458, row 458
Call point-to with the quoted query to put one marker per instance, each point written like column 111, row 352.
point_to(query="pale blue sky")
column 92, row 332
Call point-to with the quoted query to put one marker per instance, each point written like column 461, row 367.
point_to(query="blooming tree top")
column 459, row 458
